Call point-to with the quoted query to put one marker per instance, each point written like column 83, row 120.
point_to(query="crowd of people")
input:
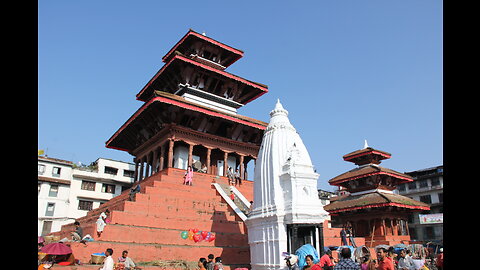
column 209, row 263
column 386, row 259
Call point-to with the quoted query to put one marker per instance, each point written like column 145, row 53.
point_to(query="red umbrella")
column 56, row 249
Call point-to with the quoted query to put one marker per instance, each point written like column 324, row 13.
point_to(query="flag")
column 41, row 152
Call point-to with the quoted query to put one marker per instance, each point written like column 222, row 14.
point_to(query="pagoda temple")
column 189, row 116
column 369, row 206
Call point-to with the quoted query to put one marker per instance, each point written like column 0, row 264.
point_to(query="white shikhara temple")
column 287, row 212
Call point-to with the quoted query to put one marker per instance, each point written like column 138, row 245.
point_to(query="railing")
column 239, row 206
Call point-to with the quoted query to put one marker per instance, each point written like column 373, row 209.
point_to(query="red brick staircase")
column 150, row 227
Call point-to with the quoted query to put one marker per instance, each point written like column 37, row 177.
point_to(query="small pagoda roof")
column 373, row 200
column 152, row 106
column 368, row 170
column 367, row 154
column 255, row 89
column 192, row 36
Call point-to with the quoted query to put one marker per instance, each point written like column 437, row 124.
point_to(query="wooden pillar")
column 225, row 163
column 242, row 168
column 148, row 167
column 170, row 154
column 394, row 227
column 155, row 161
column 141, row 169
column 135, row 174
column 162, row 156
column 209, row 152
column 384, row 227
column 190, row 153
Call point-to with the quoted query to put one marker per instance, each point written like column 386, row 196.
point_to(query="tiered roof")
column 373, row 200
column 175, row 96
column 207, row 57
column 151, row 111
column 370, row 185
column 368, row 170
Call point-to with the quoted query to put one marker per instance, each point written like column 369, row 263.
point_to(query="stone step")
column 150, row 235
column 151, row 252
column 181, row 223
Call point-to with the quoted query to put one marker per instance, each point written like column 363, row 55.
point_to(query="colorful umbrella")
column 56, row 249
column 40, row 239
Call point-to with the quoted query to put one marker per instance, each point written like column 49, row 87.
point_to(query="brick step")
column 173, row 212
column 151, row 252
column 180, row 223
column 337, row 241
column 165, row 204
column 179, row 203
column 182, row 191
column 149, row 235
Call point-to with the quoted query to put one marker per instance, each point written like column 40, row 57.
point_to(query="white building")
column 287, row 211
column 54, row 179
column 67, row 191
column 427, row 187
column 93, row 185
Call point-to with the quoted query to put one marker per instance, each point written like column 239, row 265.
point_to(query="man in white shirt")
column 127, row 261
column 405, row 262
column 108, row 262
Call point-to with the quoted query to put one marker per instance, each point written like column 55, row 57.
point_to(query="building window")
column 401, row 187
column 106, row 188
column 412, row 232
column 426, row 198
column 56, row 171
column 110, row 170
column 47, row 227
column 41, row 169
column 87, row 185
column 435, row 181
column 85, row 205
column 440, row 197
column 428, row 233
column 50, row 209
column 412, row 185
column 128, row 173
column 53, row 191
column 423, row 183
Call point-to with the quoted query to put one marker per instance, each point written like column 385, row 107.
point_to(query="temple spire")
column 365, row 145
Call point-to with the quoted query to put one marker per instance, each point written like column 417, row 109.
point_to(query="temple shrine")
column 369, row 205
column 189, row 116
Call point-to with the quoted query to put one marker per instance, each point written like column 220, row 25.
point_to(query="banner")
column 431, row 218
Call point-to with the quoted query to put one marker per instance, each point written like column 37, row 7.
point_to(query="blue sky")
column 345, row 70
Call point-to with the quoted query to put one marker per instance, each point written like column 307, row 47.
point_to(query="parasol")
column 56, row 249
column 41, row 239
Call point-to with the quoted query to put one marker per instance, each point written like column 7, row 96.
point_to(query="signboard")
column 431, row 218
